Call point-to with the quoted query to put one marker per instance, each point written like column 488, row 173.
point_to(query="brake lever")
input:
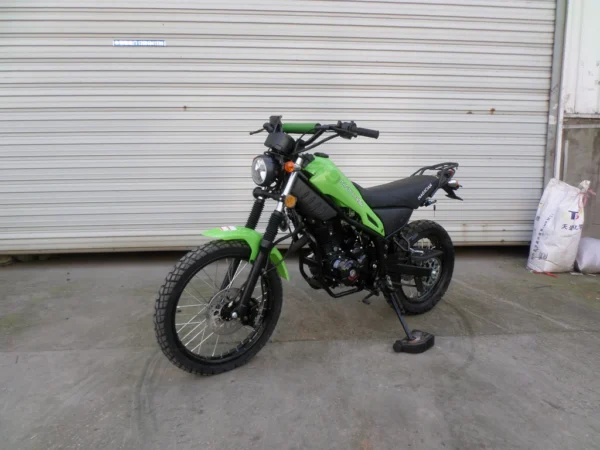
column 266, row 127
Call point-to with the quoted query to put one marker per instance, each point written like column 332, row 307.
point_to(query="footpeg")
column 421, row 342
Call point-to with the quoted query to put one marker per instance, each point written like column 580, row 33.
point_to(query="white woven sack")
column 588, row 256
column 557, row 227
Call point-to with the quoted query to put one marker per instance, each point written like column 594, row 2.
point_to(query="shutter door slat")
column 120, row 148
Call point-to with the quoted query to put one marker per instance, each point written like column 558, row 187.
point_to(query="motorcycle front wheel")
column 192, row 316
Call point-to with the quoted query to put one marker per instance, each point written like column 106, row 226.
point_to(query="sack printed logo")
column 573, row 215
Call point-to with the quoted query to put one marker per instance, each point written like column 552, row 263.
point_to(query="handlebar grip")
column 299, row 128
column 374, row 134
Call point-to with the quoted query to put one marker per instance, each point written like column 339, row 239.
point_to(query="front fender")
column 253, row 239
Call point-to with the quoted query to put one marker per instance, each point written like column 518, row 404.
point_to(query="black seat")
column 409, row 192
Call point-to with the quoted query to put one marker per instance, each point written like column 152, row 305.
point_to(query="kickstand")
column 415, row 341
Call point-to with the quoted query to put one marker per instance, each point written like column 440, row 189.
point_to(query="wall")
column 581, row 156
column 581, row 96
column 582, row 59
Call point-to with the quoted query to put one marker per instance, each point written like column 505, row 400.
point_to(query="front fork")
column 253, row 218
column 266, row 244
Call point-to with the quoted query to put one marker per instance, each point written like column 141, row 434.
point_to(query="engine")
column 345, row 270
column 344, row 259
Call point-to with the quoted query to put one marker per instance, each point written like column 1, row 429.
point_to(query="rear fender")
column 252, row 238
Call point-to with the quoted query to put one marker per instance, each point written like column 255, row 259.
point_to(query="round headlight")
column 264, row 170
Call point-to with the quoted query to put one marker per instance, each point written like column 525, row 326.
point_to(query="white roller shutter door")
column 106, row 147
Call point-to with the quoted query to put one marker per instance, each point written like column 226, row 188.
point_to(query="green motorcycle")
column 220, row 304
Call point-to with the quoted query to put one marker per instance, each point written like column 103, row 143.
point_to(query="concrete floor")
column 516, row 365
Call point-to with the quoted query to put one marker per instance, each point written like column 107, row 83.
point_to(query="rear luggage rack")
column 440, row 168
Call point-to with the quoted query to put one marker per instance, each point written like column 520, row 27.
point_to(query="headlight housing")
column 264, row 170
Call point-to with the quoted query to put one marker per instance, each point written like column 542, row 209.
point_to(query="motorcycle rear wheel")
column 192, row 309
column 429, row 235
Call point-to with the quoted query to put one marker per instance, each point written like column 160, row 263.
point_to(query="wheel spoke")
column 215, row 349
column 206, row 282
column 195, row 336
column 196, row 315
column 228, row 274
column 202, row 342
column 211, row 320
column 237, row 272
column 212, row 281
column 190, row 323
column 217, row 272
column 193, row 296
column 192, row 330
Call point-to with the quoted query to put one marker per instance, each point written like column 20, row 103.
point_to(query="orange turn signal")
column 289, row 166
column 290, row 201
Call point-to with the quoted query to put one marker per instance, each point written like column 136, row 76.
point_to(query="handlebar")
column 373, row 134
column 279, row 140
column 347, row 130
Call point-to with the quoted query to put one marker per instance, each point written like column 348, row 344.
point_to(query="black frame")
column 381, row 243
column 381, row 246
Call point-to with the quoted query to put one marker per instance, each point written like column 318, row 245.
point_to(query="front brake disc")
column 218, row 308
